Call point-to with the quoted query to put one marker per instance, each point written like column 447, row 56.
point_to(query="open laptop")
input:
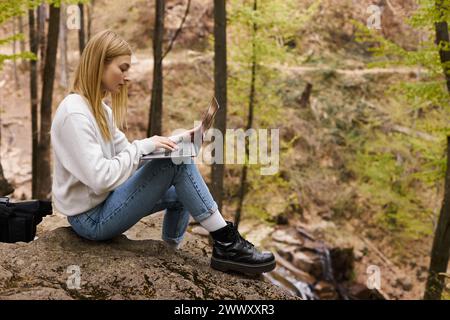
column 189, row 142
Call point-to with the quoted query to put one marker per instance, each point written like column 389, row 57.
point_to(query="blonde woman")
column 97, row 181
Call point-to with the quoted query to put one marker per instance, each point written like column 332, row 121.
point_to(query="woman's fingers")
column 168, row 144
column 169, row 147
column 165, row 143
column 172, row 143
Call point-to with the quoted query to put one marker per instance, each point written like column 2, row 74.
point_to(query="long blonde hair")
column 100, row 50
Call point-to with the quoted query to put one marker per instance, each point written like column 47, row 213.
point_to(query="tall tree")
column 261, row 33
column 90, row 14
column 251, row 110
column 81, row 32
column 442, row 39
column 44, row 173
column 33, row 35
column 41, row 23
column 64, row 73
column 155, row 117
column 16, row 76
column 220, row 92
column 441, row 243
column 433, row 89
column 157, row 87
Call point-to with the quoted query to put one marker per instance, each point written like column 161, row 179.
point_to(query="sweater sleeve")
column 120, row 140
column 80, row 153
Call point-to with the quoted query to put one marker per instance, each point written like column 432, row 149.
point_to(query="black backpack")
column 18, row 220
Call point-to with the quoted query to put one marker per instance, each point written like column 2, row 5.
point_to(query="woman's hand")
column 163, row 142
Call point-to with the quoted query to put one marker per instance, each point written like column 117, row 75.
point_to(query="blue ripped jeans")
column 159, row 184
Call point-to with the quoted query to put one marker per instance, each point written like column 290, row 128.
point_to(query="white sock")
column 213, row 222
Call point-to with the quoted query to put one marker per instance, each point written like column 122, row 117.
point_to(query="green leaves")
column 400, row 171
column 272, row 45
column 10, row 9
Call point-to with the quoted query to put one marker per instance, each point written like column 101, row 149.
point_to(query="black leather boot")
column 231, row 252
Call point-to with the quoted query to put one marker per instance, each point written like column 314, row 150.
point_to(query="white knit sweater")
column 85, row 167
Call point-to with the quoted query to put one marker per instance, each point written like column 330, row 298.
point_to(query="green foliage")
column 277, row 23
column 388, row 183
column 10, row 9
column 23, row 55
column 397, row 170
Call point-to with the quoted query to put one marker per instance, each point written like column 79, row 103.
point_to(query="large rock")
column 120, row 268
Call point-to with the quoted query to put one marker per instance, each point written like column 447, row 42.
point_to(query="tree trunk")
column 251, row 108
column 64, row 74
column 220, row 92
column 90, row 13
column 441, row 29
column 441, row 243
column 34, row 101
column 41, row 19
column 45, row 179
column 14, row 42
column 81, row 38
column 155, row 121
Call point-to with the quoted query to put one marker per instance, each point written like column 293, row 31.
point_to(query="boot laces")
column 246, row 243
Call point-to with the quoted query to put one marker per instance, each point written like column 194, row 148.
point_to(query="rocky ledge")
column 61, row 265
